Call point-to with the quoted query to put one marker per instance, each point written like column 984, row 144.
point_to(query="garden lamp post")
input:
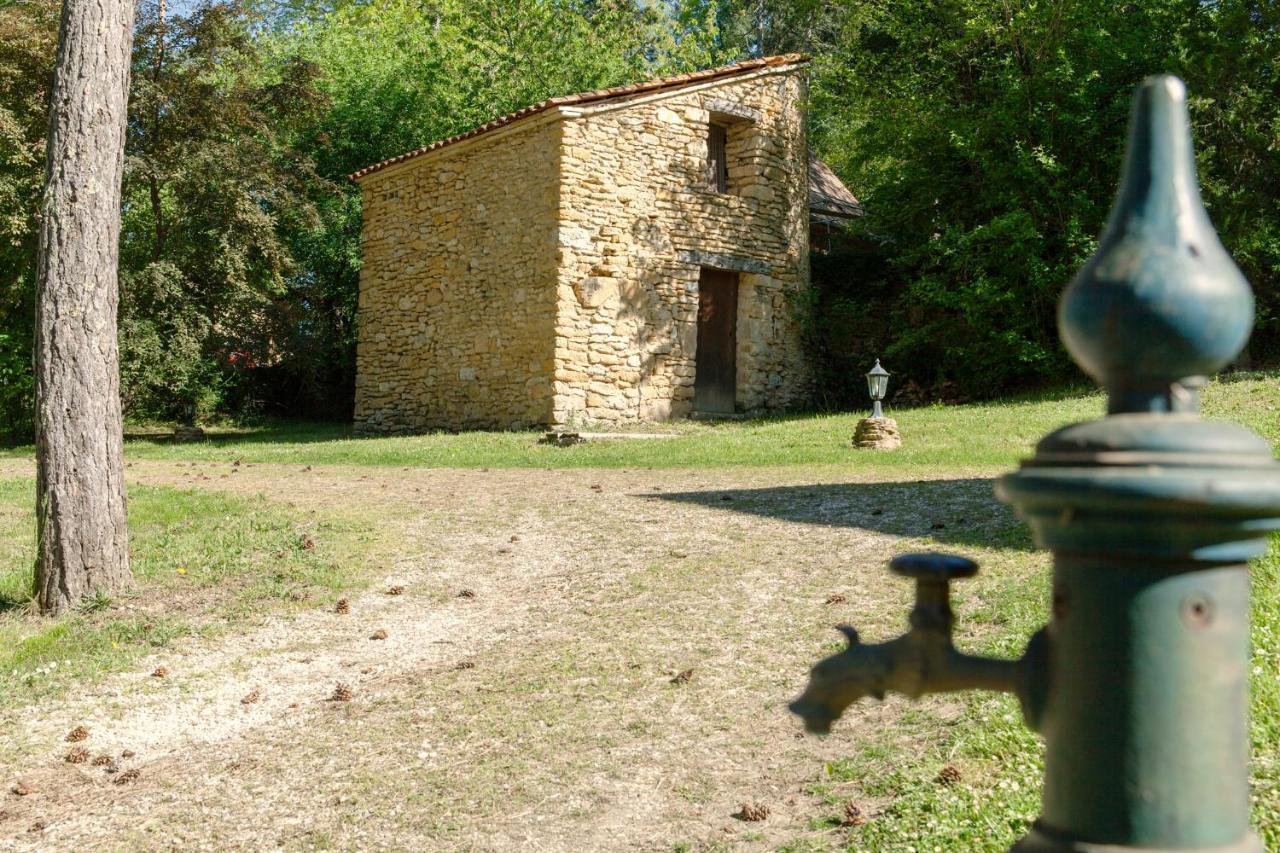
column 187, row 430
column 877, row 384
column 877, row 431
column 1138, row 684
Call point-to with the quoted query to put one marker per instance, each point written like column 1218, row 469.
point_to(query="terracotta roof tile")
column 597, row 96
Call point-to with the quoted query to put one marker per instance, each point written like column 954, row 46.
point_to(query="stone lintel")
column 733, row 263
column 726, row 110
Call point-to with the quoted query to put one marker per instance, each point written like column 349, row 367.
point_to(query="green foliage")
column 1230, row 58
column 844, row 320
column 401, row 74
column 985, row 139
column 213, row 187
column 162, row 339
column 28, row 38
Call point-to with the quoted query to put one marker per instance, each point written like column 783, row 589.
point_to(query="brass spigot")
column 924, row 660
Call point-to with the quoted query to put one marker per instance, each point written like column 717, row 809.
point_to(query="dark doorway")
column 716, row 376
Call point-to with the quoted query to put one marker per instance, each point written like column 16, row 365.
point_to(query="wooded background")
column 983, row 136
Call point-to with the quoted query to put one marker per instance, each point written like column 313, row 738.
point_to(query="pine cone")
column 160, row 672
column 683, row 677
column 835, row 598
column 20, row 789
column 948, row 775
column 77, row 734
column 395, row 590
column 101, row 761
column 342, row 607
column 466, row 664
column 250, row 698
column 852, row 815
column 77, row 755
column 467, row 593
column 130, row 775
column 306, row 543
column 342, row 693
column 753, row 812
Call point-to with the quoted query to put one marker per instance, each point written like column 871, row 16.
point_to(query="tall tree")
column 212, row 187
column 82, row 541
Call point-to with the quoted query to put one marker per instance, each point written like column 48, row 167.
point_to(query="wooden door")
column 716, row 369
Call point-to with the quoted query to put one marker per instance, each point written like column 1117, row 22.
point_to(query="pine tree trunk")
column 82, row 543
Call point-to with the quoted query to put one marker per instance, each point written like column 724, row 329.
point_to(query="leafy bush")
column 985, row 141
column 17, row 389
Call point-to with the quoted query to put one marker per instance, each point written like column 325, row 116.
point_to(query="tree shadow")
column 271, row 432
column 963, row 511
column 14, row 598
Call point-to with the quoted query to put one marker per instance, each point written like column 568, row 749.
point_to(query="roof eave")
column 625, row 94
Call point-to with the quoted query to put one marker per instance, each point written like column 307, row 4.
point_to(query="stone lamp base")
column 187, row 433
column 878, row 433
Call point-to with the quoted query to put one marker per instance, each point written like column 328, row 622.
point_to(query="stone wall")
column 457, row 291
column 638, row 221
column 547, row 272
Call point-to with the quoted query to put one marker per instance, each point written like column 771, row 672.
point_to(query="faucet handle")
column 933, row 574
column 933, row 567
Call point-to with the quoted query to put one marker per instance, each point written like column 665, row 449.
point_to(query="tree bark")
column 82, row 543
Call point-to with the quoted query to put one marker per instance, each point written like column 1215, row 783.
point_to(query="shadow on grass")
column 962, row 512
column 10, row 601
column 16, row 592
column 270, row 432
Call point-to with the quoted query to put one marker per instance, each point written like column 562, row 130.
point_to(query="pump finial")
column 1160, row 305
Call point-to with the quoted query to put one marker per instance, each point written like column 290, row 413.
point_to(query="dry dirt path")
column 523, row 696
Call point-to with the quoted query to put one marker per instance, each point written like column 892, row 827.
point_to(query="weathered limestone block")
column 595, row 291
column 878, row 433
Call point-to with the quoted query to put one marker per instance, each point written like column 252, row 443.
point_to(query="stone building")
column 620, row 255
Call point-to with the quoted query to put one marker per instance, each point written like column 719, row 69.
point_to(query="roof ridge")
column 594, row 96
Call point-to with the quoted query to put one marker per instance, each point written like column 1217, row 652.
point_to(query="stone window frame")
column 717, row 157
column 738, row 122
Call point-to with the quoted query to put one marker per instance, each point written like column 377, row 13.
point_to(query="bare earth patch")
column 617, row 679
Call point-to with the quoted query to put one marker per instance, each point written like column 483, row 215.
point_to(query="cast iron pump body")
column 1139, row 682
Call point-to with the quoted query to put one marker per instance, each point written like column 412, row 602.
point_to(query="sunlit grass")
column 218, row 554
column 976, row 435
column 200, row 560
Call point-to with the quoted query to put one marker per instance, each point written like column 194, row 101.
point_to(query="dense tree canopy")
column 28, row 40
column 983, row 136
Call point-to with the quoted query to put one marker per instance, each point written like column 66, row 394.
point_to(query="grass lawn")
column 713, row 550
column 203, row 562
column 990, row 434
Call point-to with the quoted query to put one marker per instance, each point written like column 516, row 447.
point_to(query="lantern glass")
column 877, row 381
column 878, row 385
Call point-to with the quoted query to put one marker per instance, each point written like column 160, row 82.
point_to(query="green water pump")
column 1139, row 683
